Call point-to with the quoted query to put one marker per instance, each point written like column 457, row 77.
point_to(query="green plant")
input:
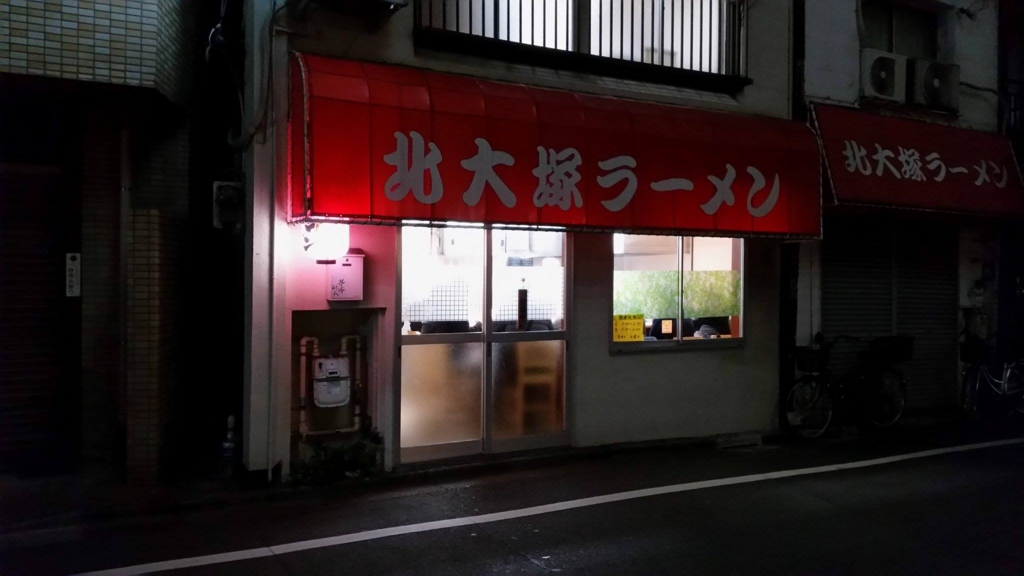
column 329, row 463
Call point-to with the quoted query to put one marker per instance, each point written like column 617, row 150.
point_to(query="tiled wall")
column 135, row 42
column 100, row 293
column 153, row 334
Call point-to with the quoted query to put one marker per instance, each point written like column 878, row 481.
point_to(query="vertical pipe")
column 124, row 213
column 643, row 26
column 600, row 27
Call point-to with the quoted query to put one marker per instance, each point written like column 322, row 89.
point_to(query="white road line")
column 525, row 512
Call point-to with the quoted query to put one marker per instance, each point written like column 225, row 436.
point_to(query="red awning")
column 385, row 143
column 885, row 161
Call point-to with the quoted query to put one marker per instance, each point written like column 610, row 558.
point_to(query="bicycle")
column 874, row 393
column 1009, row 389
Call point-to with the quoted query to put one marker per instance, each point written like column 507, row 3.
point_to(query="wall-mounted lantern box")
column 345, row 278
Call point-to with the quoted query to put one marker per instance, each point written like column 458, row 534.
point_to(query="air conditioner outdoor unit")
column 883, row 75
column 935, row 84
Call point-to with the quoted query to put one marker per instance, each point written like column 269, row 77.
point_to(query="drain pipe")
column 124, row 213
column 303, row 384
column 357, row 380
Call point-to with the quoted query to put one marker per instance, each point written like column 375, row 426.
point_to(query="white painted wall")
column 676, row 394
column 832, row 62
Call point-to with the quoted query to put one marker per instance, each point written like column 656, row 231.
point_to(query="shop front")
column 911, row 239
column 541, row 268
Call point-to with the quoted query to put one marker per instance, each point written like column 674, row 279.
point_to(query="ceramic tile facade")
column 132, row 42
column 154, row 246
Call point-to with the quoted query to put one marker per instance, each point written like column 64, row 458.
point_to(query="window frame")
column 678, row 344
column 730, row 82
column 896, row 10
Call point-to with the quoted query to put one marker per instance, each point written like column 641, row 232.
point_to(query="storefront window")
column 685, row 288
column 532, row 261
column 442, row 280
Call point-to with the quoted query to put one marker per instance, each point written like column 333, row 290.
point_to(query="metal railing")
column 696, row 35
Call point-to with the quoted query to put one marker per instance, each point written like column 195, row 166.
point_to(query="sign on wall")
column 72, row 275
column 628, row 328
column 887, row 161
column 385, row 143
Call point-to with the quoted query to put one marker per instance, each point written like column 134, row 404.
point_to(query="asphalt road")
column 955, row 513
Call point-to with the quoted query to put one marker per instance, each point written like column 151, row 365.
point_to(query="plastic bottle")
column 227, row 449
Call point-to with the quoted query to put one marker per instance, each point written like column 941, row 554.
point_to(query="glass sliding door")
column 483, row 341
column 442, row 350
column 526, row 371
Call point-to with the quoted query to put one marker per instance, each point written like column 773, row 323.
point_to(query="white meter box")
column 345, row 278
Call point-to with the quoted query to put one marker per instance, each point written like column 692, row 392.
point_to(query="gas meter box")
column 332, row 385
column 345, row 279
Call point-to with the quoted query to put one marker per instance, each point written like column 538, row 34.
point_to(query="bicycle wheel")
column 969, row 392
column 887, row 399
column 1015, row 398
column 809, row 408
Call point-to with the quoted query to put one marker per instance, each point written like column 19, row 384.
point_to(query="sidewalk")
column 37, row 509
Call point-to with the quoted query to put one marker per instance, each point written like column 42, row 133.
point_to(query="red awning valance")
column 384, row 143
column 886, row 161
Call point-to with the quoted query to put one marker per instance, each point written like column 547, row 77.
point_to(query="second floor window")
column 904, row 30
column 698, row 35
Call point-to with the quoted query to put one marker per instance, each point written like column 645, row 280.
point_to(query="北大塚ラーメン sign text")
column 387, row 143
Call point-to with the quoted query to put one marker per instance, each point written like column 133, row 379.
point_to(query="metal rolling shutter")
column 35, row 391
column 882, row 277
column 926, row 308
column 856, row 285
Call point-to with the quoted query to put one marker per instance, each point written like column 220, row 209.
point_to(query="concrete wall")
column 681, row 393
column 333, row 34
column 833, row 55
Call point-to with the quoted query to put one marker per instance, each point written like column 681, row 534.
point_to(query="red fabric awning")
column 385, row 143
column 886, row 161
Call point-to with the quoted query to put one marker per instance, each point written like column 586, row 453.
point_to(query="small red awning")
column 885, row 161
column 384, row 143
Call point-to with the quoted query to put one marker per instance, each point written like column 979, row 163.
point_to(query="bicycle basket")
column 810, row 359
column 892, row 349
column 973, row 352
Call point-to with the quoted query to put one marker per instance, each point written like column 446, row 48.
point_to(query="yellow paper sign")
column 628, row 328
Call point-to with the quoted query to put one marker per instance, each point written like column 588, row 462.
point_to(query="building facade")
column 97, row 128
column 911, row 102
column 511, row 179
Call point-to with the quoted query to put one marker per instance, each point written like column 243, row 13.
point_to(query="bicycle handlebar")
column 820, row 339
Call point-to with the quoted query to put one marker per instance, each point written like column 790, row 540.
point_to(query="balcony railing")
column 675, row 39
